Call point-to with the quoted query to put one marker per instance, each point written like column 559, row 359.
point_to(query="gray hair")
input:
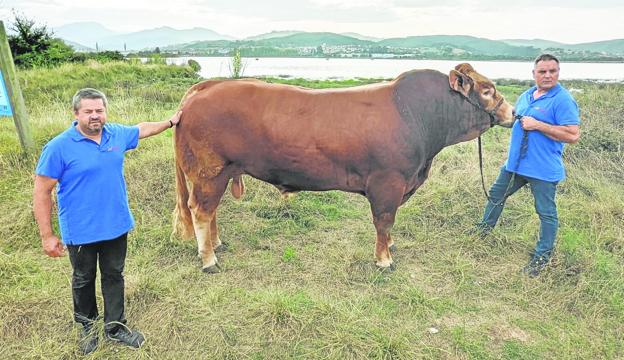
column 87, row 93
column 546, row 57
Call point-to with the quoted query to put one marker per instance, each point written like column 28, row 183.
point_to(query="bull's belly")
column 290, row 180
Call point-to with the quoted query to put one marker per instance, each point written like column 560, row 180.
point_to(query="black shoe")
column 535, row 266
column 88, row 341
column 127, row 337
column 481, row 230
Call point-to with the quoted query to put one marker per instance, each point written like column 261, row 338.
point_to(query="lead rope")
column 524, row 146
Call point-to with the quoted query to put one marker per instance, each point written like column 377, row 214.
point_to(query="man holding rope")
column 550, row 118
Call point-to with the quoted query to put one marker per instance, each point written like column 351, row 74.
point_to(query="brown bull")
column 376, row 140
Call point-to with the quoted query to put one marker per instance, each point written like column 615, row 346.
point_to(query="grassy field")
column 299, row 279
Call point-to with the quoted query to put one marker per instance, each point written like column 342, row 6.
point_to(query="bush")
column 194, row 65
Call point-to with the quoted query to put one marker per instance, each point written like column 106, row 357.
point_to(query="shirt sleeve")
column 567, row 112
column 131, row 136
column 51, row 162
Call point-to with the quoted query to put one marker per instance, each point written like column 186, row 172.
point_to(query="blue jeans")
column 545, row 206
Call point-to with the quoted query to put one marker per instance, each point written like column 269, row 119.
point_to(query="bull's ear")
column 460, row 82
column 464, row 68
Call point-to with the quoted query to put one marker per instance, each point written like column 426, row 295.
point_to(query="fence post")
column 20, row 117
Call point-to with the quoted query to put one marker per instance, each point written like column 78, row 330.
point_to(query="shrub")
column 194, row 65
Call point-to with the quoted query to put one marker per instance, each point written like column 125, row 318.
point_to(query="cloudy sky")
column 568, row 21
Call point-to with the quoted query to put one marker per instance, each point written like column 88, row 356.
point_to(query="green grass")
column 299, row 279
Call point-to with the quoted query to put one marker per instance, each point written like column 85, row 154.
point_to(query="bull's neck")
column 460, row 121
column 435, row 115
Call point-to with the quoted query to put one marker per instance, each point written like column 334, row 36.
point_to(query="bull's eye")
column 487, row 92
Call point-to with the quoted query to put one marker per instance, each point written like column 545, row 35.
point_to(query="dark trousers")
column 111, row 255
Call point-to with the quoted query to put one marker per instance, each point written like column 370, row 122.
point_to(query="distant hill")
column 361, row 37
column 272, row 35
column 313, row 39
column 198, row 45
column 89, row 33
column 613, row 47
column 536, row 43
column 78, row 47
column 469, row 44
column 608, row 46
column 158, row 37
column 85, row 34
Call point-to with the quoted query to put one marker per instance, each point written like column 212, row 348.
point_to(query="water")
column 320, row 68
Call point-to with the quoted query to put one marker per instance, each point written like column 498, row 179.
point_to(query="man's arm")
column 42, row 209
column 147, row 129
column 565, row 133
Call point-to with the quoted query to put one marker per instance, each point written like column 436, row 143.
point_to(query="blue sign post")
column 5, row 104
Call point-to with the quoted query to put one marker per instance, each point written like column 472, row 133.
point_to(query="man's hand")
column 147, row 129
column 564, row 133
column 52, row 246
column 175, row 119
column 530, row 123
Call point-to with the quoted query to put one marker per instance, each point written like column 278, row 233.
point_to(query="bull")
column 376, row 140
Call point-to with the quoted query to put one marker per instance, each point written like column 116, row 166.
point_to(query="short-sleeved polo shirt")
column 91, row 190
column 543, row 158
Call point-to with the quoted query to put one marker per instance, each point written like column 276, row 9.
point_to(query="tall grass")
column 299, row 280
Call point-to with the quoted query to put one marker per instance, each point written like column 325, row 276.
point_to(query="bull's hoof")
column 392, row 248
column 390, row 268
column 214, row 269
column 223, row 247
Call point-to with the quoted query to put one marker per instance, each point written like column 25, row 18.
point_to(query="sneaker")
column 535, row 266
column 127, row 337
column 88, row 341
column 481, row 230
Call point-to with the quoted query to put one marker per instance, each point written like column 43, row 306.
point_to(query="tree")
column 236, row 65
column 34, row 45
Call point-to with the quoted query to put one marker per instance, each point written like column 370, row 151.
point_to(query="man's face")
column 546, row 74
column 91, row 116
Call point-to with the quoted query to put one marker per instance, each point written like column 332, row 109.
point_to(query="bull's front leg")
column 384, row 243
column 384, row 192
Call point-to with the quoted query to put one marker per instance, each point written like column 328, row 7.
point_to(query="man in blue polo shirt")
column 85, row 165
column 550, row 118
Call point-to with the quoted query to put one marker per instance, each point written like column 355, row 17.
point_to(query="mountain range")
column 94, row 36
column 89, row 36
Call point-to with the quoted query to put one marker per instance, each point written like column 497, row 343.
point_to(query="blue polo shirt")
column 543, row 159
column 91, row 189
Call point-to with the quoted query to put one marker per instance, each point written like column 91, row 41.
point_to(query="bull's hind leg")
column 203, row 201
column 384, row 192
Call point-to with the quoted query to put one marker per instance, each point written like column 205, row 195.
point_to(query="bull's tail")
column 182, row 220
column 238, row 186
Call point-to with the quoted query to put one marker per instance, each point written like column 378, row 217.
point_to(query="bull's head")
column 480, row 91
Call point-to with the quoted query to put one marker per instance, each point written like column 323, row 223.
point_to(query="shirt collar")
column 550, row 93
